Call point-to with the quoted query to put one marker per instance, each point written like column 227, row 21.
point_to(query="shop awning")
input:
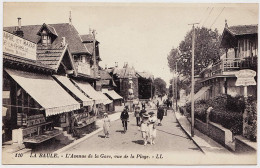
column 105, row 98
column 46, row 91
column 112, row 94
column 69, row 85
column 91, row 92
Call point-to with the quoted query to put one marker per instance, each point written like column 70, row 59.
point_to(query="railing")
column 233, row 64
column 226, row 65
column 249, row 63
column 84, row 69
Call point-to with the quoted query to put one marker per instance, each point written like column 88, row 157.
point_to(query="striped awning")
column 46, row 91
column 112, row 94
column 69, row 85
column 98, row 97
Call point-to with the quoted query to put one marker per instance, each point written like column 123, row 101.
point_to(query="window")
column 46, row 39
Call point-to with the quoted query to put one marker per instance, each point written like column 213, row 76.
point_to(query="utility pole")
column 95, row 64
column 94, row 53
column 176, row 87
column 192, row 79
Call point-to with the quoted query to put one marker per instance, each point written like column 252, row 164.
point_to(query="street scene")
column 117, row 83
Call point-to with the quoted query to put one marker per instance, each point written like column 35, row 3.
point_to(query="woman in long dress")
column 106, row 125
column 152, row 128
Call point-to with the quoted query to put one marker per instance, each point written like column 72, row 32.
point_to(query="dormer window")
column 46, row 39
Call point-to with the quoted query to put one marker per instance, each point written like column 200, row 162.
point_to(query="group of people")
column 146, row 122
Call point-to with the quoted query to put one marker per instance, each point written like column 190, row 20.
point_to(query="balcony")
column 228, row 66
column 84, row 69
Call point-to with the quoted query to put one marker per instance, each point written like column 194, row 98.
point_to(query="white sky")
column 140, row 34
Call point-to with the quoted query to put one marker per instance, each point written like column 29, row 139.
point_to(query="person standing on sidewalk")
column 152, row 127
column 144, row 128
column 137, row 115
column 124, row 117
column 160, row 113
column 106, row 125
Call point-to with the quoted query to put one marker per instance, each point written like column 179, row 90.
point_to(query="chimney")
column 70, row 19
column 19, row 23
column 226, row 25
column 116, row 64
column 63, row 43
column 18, row 30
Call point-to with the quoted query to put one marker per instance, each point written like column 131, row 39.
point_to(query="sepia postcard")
column 127, row 83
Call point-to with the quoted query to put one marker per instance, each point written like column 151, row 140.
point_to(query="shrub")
column 227, row 111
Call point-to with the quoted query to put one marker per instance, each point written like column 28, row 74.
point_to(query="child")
column 144, row 127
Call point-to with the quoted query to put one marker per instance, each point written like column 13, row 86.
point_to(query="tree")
column 207, row 51
column 160, row 86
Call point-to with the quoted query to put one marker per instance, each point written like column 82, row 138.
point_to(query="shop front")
column 38, row 105
column 113, row 96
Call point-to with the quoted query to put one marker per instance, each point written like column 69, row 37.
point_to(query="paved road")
column 170, row 139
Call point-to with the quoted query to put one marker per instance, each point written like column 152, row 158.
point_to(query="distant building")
column 145, row 85
column 122, row 77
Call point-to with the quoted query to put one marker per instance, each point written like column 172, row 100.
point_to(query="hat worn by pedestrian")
column 145, row 115
column 151, row 113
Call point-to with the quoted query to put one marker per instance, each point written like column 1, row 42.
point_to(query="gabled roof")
column 125, row 72
column 24, row 61
column 104, row 75
column 50, row 28
column 50, row 56
column 242, row 30
column 62, row 30
column 145, row 75
column 88, row 38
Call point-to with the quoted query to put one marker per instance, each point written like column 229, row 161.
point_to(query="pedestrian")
column 160, row 113
column 137, row 115
column 143, row 105
column 124, row 117
column 157, row 104
column 144, row 128
column 142, row 112
column 106, row 125
column 152, row 127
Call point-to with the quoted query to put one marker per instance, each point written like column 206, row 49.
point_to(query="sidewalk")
column 113, row 117
column 206, row 144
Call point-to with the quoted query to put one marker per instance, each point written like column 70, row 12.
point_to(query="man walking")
column 124, row 117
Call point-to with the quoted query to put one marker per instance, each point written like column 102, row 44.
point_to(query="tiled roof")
column 62, row 29
column 145, row 75
column 104, row 75
column 50, row 56
column 50, row 28
column 30, row 32
column 243, row 29
column 87, row 38
column 125, row 72
column 17, row 59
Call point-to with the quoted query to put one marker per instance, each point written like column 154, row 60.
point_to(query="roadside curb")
column 188, row 134
column 78, row 141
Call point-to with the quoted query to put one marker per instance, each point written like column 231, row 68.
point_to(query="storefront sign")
column 18, row 46
column 245, row 77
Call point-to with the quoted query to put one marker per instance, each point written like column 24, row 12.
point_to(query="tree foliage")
column 207, row 51
column 160, row 86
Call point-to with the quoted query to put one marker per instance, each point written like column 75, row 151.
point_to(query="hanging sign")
column 245, row 77
column 18, row 46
